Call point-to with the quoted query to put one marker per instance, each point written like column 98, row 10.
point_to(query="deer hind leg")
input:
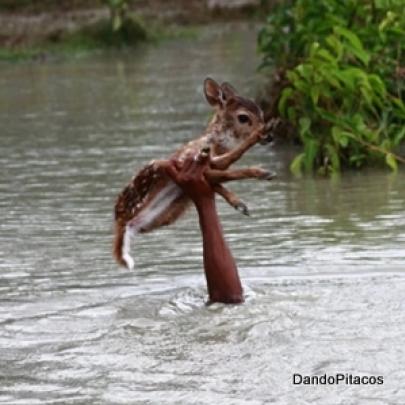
column 231, row 198
column 219, row 176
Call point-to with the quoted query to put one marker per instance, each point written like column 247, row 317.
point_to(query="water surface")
column 322, row 260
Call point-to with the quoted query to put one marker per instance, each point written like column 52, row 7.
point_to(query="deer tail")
column 122, row 240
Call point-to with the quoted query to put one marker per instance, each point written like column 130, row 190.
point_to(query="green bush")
column 101, row 34
column 344, row 61
column 118, row 10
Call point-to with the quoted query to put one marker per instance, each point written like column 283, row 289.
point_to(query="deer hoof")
column 242, row 207
column 267, row 175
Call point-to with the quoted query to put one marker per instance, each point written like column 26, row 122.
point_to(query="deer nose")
column 269, row 130
column 267, row 136
column 267, row 139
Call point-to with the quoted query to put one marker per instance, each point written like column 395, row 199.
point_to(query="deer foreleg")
column 222, row 162
column 222, row 176
column 231, row 198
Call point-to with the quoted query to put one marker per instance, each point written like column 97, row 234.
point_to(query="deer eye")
column 243, row 118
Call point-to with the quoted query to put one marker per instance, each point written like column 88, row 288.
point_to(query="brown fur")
column 223, row 131
column 119, row 230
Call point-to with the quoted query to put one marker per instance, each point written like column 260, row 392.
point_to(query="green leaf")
column 315, row 94
column 343, row 140
column 388, row 20
column 333, row 156
column 354, row 44
column 399, row 103
column 345, row 77
column 358, row 122
column 335, row 131
column 326, row 55
column 292, row 76
column 296, row 164
column 335, row 45
column 391, row 161
column 350, row 36
column 292, row 114
column 305, row 124
column 340, row 136
column 366, row 95
column 116, row 23
column 285, row 96
column 360, row 54
column 378, row 85
column 311, row 148
column 400, row 136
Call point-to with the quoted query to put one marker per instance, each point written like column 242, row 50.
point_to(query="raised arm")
column 220, row 268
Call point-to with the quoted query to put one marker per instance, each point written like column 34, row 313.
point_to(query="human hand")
column 189, row 175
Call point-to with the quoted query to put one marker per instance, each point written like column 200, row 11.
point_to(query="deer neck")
column 221, row 137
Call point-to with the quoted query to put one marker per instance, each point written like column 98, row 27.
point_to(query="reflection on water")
column 321, row 259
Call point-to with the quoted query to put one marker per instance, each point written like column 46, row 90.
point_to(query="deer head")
column 235, row 117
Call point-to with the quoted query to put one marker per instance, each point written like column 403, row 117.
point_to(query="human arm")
column 221, row 273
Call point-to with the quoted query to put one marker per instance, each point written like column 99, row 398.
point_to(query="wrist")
column 205, row 203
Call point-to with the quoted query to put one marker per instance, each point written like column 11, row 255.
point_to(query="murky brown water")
column 322, row 260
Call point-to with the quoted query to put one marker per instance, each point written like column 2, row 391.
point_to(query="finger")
column 178, row 164
column 171, row 170
column 213, row 176
column 194, row 164
column 188, row 162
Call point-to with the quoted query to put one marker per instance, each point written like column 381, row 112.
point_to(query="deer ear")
column 228, row 91
column 213, row 92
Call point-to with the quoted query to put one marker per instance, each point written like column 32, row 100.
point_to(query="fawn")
column 152, row 200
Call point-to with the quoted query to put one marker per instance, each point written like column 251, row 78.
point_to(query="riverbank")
column 32, row 29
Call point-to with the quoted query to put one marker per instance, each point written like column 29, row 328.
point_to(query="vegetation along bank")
column 339, row 80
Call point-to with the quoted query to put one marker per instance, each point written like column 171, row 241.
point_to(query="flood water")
column 322, row 261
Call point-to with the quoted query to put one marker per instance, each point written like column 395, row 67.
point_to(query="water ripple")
column 321, row 260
